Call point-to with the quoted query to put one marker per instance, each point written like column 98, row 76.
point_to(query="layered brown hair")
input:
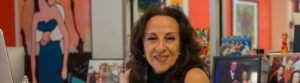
column 189, row 47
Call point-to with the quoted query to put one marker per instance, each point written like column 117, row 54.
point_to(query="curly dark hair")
column 190, row 48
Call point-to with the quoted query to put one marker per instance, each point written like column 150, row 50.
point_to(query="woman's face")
column 244, row 75
column 289, row 65
column 296, row 78
column 161, row 42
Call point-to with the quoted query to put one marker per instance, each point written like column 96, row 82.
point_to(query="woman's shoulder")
column 196, row 75
column 125, row 78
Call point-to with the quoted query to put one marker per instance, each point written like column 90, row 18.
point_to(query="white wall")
column 280, row 22
column 107, row 29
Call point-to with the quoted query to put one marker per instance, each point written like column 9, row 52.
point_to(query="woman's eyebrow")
column 171, row 33
column 151, row 34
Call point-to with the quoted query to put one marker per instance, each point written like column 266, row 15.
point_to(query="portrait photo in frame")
column 285, row 68
column 235, row 69
column 105, row 71
column 245, row 19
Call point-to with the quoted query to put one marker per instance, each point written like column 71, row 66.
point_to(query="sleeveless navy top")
column 43, row 26
column 161, row 78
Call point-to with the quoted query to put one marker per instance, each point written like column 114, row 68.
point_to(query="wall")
column 107, row 29
column 7, row 21
column 264, row 22
column 199, row 13
column 279, row 21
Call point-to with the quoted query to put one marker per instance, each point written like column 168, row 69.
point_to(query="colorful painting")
column 285, row 69
column 182, row 4
column 105, row 71
column 203, row 38
column 57, row 38
column 236, row 46
column 245, row 20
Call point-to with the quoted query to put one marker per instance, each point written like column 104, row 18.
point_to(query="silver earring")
column 179, row 53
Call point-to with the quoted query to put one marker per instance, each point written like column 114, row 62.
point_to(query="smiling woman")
column 164, row 50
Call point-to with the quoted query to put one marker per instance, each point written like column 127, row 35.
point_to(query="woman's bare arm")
column 196, row 75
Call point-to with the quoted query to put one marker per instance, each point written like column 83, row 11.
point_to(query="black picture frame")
column 113, row 70
column 221, row 65
column 297, row 5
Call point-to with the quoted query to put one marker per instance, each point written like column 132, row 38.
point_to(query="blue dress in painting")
column 50, row 57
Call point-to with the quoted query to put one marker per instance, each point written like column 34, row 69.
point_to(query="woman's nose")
column 161, row 47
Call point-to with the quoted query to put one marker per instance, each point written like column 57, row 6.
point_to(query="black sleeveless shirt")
column 161, row 78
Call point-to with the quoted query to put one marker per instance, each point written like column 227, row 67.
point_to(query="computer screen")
column 5, row 72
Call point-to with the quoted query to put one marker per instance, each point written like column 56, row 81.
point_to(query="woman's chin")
column 160, row 69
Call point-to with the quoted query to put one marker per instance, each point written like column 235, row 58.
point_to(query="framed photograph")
column 285, row 68
column 140, row 6
column 236, row 69
column 105, row 71
column 245, row 19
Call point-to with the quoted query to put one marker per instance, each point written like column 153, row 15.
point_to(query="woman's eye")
column 152, row 38
column 170, row 38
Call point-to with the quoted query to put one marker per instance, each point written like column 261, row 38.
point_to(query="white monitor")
column 5, row 73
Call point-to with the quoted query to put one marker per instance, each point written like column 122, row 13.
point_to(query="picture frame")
column 138, row 7
column 105, row 70
column 247, row 67
column 245, row 19
column 297, row 5
column 284, row 68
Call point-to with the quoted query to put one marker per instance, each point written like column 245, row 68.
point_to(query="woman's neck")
column 43, row 5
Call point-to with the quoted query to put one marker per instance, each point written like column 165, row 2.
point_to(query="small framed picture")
column 285, row 68
column 245, row 19
column 140, row 6
column 105, row 71
column 236, row 69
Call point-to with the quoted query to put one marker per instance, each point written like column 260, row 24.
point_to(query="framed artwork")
column 236, row 69
column 297, row 5
column 285, row 68
column 140, row 6
column 245, row 19
column 105, row 71
column 61, row 39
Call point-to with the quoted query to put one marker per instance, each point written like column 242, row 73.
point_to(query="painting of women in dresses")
column 57, row 38
column 285, row 69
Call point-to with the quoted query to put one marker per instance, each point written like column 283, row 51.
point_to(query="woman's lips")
column 161, row 59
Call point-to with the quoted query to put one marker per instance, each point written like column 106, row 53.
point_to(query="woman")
column 245, row 77
column 295, row 77
column 52, row 67
column 164, row 50
column 279, row 77
column 102, row 73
